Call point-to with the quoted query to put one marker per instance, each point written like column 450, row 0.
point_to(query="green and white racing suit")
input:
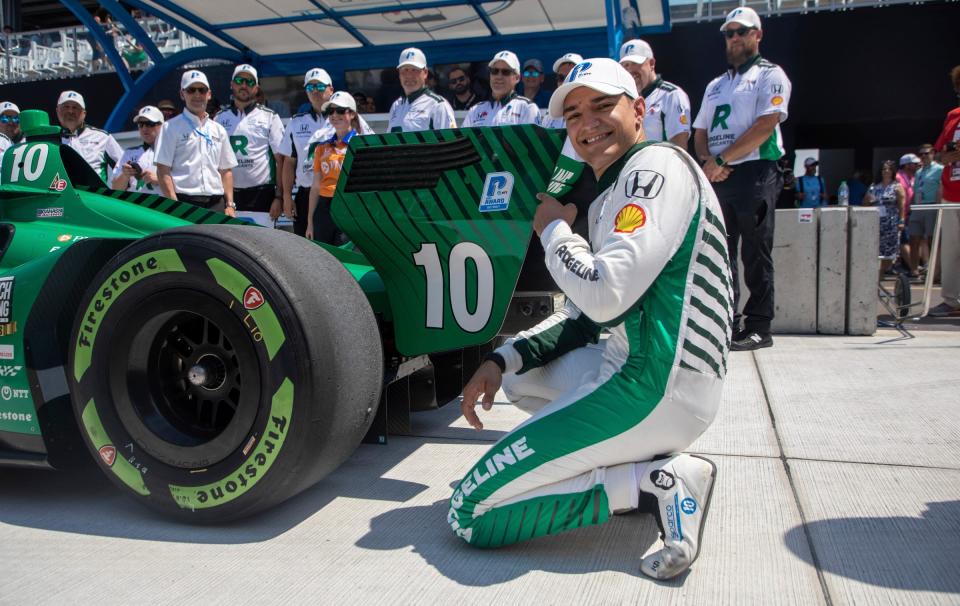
column 655, row 274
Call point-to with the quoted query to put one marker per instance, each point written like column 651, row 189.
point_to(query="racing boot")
column 682, row 485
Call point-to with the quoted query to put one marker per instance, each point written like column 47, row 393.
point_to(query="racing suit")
column 655, row 274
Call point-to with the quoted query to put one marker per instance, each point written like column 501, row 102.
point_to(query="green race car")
column 214, row 369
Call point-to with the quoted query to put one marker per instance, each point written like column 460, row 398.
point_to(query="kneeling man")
column 612, row 416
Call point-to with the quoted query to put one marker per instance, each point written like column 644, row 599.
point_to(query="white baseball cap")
column 507, row 57
column 192, row 77
column 71, row 95
column 568, row 58
column 246, row 69
column 743, row 15
column 811, row 162
column 601, row 74
column 909, row 159
column 148, row 113
column 412, row 56
column 317, row 74
column 6, row 106
column 340, row 99
column 635, row 51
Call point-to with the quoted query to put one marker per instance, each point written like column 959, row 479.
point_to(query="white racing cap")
column 317, row 74
column 7, row 106
column 148, row 113
column 193, row 77
column 743, row 15
column 412, row 56
column 70, row 95
column 340, row 99
column 635, row 51
column 507, row 57
column 601, row 74
column 246, row 69
column 568, row 58
column 909, row 159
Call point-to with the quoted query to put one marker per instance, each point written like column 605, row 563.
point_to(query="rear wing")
column 445, row 218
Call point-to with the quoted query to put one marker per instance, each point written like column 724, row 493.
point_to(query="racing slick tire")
column 216, row 371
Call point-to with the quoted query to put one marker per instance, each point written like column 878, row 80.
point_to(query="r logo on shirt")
column 720, row 116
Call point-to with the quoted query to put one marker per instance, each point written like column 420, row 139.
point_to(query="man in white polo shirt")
column 419, row 108
column 668, row 106
column 137, row 169
column 10, row 133
column 255, row 133
column 505, row 106
column 98, row 147
column 194, row 159
column 737, row 138
column 303, row 134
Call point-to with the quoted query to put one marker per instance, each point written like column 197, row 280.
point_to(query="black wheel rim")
column 185, row 378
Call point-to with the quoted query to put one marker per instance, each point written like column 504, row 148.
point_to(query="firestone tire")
column 216, row 371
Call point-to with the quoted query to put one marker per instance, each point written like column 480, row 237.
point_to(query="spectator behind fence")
column 562, row 67
column 98, row 147
column 463, row 96
column 858, row 185
column 137, row 169
column 255, row 133
column 926, row 190
column 532, row 79
column 341, row 111
column 505, row 105
column 168, row 108
column 194, row 159
column 737, row 137
column 948, row 144
column 788, row 191
column 811, row 191
column 419, row 108
column 668, row 106
column 909, row 165
column 888, row 195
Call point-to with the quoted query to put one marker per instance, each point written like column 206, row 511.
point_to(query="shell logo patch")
column 630, row 218
column 683, row 119
column 777, row 100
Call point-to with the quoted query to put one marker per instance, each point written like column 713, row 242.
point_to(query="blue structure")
column 315, row 34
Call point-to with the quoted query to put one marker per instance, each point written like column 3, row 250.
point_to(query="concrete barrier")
column 832, row 272
column 795, row 271
column 862, row 270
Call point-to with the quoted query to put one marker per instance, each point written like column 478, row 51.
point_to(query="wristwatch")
column 232, row 205
column 719, row 160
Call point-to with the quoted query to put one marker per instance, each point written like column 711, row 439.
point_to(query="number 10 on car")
column 469, row 269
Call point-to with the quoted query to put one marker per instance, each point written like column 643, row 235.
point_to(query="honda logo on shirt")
column 644, row 184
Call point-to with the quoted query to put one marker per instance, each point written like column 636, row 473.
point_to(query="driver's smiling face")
column 602, row 127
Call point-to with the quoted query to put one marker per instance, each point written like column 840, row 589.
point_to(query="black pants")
column 215, row 203
column 255, row 199
column 324, row 228
column 301, row 203
column 748, row 199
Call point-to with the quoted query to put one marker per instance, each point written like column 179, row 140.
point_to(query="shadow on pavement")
column 615, row 546
column 914, row 554
column 86, row 502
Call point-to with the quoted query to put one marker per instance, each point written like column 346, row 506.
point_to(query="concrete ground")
column 839, row 483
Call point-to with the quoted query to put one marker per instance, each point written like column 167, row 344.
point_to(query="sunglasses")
column 458, row 80
column 496, row 71
column 741, row 31
column 336, row 110
column 530, row 73
column 10, row 119
column 197, row 90
column 144, row 123
column 319, row 87
column 240, row 81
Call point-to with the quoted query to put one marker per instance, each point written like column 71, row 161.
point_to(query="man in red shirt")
column 948, row 144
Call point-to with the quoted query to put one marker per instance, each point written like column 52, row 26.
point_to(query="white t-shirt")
column 255, row 133
column 512, row 109
column 303, row 133
column 98, row 148
column 668, row 111
column 734, row 100
column 195, row 151
column 143, row 155
column 423, row 110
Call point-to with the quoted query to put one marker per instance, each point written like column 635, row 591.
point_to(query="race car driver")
column 612, row 417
